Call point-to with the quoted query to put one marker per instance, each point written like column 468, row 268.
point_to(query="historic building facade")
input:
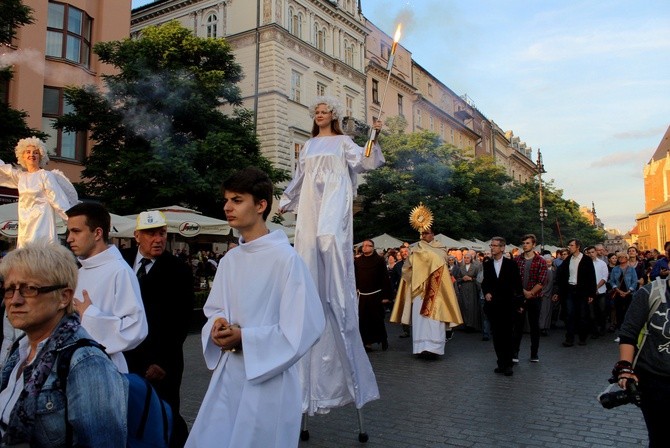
column 653, row 225
column 56, row 51
column 291, row 51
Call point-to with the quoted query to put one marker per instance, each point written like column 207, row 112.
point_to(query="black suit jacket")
column 506, row 289
column 167, row 294
column 586, row 278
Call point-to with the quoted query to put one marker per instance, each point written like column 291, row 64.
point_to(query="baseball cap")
column 150, row 220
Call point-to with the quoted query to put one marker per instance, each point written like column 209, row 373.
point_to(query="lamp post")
column 543, row 211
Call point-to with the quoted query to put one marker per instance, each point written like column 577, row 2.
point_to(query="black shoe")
column 581, row 342
column 498, row 370
column 544, row 332
column 385, row 345
column 404, row 335
column 568, row 343
column 508, row 372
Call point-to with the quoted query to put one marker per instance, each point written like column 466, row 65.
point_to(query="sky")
column 586, row 81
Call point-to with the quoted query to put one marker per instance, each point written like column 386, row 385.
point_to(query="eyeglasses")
column 29, row 291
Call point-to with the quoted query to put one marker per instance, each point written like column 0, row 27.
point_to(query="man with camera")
column 646, row 381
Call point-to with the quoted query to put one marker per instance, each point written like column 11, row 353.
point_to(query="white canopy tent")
column 182, row 221
column 384, row 241
column 9, row 221
column 448, row 242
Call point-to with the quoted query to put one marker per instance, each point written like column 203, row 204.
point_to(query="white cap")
column 150, row 220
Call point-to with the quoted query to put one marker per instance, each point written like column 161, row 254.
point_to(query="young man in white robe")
column 264, row 313
column 107, row 297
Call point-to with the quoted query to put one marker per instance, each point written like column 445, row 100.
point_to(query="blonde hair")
column 35, row 142
column 50, row 263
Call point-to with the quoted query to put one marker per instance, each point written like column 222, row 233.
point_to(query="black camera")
column 630, row 394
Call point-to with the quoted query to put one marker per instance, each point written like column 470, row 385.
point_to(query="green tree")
column 13, row 15
column 159, row 136
column 469, row 198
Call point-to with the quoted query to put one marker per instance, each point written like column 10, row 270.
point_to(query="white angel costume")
column 253, row 398
column 42, row 195
column 337, row 370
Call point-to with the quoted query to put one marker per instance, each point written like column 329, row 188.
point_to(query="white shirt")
column 602, row 273
column 574, row 263
column 497, row 264
column 137, row 264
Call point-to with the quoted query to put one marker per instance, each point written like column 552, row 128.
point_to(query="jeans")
column 577, row 315
column 655, row 392
column 598, row 313
column 532, row 309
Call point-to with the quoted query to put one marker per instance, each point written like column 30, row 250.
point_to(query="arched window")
column 348, row 53
column 289, row 19
column 295, row 23
column 319, row 37
column 662, row 232
column 212, row 26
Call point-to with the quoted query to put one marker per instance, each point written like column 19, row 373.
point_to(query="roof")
column 663, row 147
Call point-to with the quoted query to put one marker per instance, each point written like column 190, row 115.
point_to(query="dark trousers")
column 502, row 329
column 621, row 305
column 655, row 392
column 532, row 310
column 577, row 316
column 598, row 312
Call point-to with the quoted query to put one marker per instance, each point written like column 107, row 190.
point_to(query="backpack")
column 149, row 417
column 656, row 295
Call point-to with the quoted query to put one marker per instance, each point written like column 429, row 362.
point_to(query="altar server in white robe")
column 264, row 313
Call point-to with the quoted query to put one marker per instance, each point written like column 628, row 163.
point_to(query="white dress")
column 337, row 370
column 253, row 398
column 40, row 199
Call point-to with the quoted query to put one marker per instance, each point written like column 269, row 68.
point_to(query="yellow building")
column 652, row 225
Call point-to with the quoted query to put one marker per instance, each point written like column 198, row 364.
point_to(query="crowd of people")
column 291, row 342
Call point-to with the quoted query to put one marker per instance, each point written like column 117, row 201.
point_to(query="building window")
column 4, row 91
column 400, row 112
column 349, row 106
column 375, row 91
column 348, row 53
column 296, row 81
column 442, row 129
column 320, row 89
column 68, row 145
column 385, row 51
column 430, row 89
column 662, row 232
column 452, row 136
column 212, row 29
column 68, row 34
column 297, row 147
column 295, row 22
column 319, row 37
column 418, row 117
column 432, row 123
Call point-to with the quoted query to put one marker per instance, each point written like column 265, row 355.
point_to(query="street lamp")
column 543, row 211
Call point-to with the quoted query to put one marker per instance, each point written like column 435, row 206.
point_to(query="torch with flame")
column 389, row 68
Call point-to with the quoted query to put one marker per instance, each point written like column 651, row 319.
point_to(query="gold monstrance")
column 421, row 218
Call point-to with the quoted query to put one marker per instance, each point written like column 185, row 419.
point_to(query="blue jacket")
column 630, row 278
column 97, row 401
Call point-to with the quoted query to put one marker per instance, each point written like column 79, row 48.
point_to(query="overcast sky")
column 588, row 82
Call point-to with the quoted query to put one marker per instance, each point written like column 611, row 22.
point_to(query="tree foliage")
column 470, row 198
column 159, row 136
column 13, row 15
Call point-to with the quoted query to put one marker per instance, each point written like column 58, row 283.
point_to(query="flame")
column 396, row 36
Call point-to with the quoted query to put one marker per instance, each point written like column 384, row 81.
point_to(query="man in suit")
column 166, row 284
column 576, row 283
column 503, row 297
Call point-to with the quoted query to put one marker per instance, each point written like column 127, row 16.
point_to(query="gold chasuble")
column 425, row 274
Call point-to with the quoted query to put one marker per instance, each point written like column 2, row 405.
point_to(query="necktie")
column 142, row 271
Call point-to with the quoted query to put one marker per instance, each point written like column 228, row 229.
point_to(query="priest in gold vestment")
column 426, row 298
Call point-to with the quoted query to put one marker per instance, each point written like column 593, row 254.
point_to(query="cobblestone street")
column 457, row 400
